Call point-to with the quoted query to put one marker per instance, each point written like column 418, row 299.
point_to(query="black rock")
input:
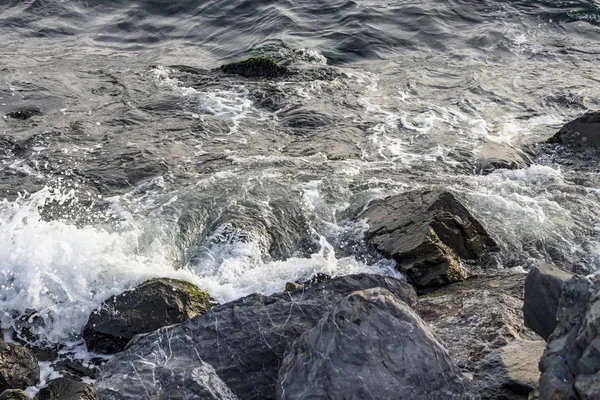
column 255, row 67
column 18, row 367
column 371, row 346
column 582, row 132
column 543, row 287
column 429, row 234
column 151, row 305
column 244, row 341
column 14, row 394
column 21, row 114
column 66, row 389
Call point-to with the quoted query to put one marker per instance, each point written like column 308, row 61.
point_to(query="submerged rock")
column 66, row 389
column 543, row 287
column 21, row 114
column 255, row 67
column 151, row 305
column 493, row 156
column 18, row 367
column 371, row 346
column 244, row 340
column 582, row 132
column 428, row 233
column 14, row 394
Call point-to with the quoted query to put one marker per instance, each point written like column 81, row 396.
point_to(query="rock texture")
column 475, row 318
column 571, row 363
column 18, row 367
column 14, row 394
column 428, row 233
column 255, row 67
column 244, row 340
column 582, row 132
column 371, row 346
column 151, row 305
column 543, row 287
column 66, row 389
column 510, row 372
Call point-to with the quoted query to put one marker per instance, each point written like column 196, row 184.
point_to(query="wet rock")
column 21, row 114
column 14, row 394
column 493, row 156
column 151, row 305
column 255, row 67
column 543, row 287
column 429, row 234
column 510, row 372
column 352, row 351
column 582, row 132
column 475, row 318
column 571, row 363
column 244, row 340
column 18, row 367
column 66, row 389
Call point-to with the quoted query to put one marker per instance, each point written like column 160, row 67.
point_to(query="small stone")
column 21, row 114
column 292, row 287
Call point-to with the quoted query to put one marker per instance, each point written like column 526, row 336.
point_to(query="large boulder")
column 66, row 389
column 244, row 341
column 543, row 287
column 371, row 346
column 475, row 319
column 582, row 132
column 18, row 367
column 571, row 363
column 151, row 305
column 428, row 233
column 510, row 372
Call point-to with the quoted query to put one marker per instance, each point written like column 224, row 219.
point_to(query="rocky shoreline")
column 455, row 328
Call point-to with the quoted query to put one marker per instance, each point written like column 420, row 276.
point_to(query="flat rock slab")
column 428, row 233
column 244, row 341
column 371, row 346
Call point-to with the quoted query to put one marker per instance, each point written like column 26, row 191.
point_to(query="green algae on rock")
column 260, row 66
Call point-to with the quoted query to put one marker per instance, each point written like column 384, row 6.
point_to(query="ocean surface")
column 142, row 160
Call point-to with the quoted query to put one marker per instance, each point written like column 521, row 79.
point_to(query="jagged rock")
column 428, row 233
column 510, row 372
column 373, row 346
column 18, row 367
column 255, row 67
column 571, row 363
column 14, row 394
column 66, row 389
column 543, row 287
column 582, row 132
column 476, row 317
column 244, row 340
column 151, row 305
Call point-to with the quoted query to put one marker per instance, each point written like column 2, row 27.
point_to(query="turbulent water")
column 143, row 160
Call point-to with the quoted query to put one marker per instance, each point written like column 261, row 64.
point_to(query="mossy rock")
column 260, row 66
column 21, row 114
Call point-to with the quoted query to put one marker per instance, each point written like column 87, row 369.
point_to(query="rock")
column 255, row 67
column 292, row 286
column 582, row 132
column 18, row 367
column 428, row 233
column 373, row 346
column 543, row 287
column 510, row 372
column 66, row 389
column 571, row 363
column 14, row 394
column 151, row 305
column 476, row 318
column 493, row 156
column 21, row 114
column 244, row 340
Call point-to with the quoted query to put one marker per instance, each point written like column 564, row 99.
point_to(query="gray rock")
column 151, row 305
column 428, row 233
column 14, row 394
column 255, row 67
column 582, row 132
column 371, row 346
column 510, row 372
column 244, row 340
column 66, row 389
column 493, row 156
column 543, row 287
column 18, row 367
column 475, row 319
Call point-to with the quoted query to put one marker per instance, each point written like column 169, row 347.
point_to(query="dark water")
column 142, row 160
